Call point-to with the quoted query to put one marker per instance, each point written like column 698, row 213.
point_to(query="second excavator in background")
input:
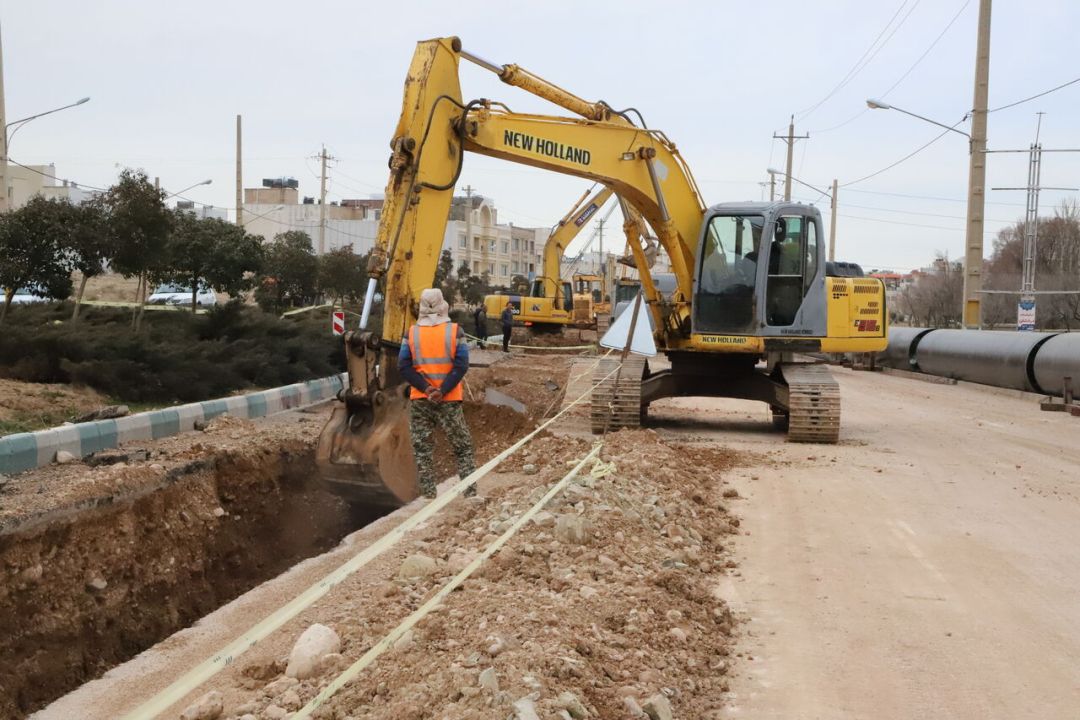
column 553, row 302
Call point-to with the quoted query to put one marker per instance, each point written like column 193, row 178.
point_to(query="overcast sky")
column 167, row 80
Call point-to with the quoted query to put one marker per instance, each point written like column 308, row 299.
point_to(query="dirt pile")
column 534, row 380
column 564, row 337
column 600, row 603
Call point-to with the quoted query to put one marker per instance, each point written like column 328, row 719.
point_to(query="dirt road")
column 928, row 567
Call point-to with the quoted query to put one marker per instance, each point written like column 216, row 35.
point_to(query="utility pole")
column 1025, row 309
column 3, row 139
column 772, row 187
column 790, row 139
column 832, row 224
column 239, row 178
column 600, row 242
column 323, row 157
column 976, row 205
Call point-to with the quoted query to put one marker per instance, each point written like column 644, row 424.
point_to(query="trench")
column 83, row 593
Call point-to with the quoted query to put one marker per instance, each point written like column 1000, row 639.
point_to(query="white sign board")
column 1025, row 313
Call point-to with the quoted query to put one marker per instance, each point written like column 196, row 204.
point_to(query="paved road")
column 927, row 567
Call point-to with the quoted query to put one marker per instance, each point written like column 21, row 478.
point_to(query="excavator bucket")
column 369, row 463
column 364, row 453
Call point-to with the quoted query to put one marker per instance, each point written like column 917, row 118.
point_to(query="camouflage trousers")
column 424, row 415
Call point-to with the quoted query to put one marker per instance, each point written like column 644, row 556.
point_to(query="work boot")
column 470, row 491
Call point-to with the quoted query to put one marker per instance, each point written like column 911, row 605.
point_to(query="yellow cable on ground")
column 228, row 654
column 394, row 635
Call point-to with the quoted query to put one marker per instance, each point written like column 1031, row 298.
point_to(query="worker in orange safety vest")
column 434, row 358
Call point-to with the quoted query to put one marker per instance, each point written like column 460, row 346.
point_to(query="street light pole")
column 181, row 192
column 832, row 224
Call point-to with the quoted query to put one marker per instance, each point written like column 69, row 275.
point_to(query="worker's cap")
column 434, row 310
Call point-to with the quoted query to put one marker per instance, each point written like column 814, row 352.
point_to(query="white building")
column 473, row 233
column 500, row 251
column 270, row 211
column 24, row 183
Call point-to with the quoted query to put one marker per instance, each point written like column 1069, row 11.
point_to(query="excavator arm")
column 563, row 234
column 365, row 445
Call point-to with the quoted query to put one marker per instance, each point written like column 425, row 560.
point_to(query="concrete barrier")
column 25, row 451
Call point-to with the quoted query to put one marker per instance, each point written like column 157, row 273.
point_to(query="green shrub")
column 175, row 357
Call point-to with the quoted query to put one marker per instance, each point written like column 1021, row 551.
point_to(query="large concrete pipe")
column 1056, row 359
column 1003, row 359
column 901, row 348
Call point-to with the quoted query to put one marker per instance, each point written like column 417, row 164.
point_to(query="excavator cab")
column 761, row 271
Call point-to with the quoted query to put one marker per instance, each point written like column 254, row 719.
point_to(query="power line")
column 918, row 225
column 868, row 56
column 1045, row 92
column 906, row 72
column 929, row 197
column 914, row 212
column 54, row 177
column 338, row 171
column 927, row 51
column 908, row 156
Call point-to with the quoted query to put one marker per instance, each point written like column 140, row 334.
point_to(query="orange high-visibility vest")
column 433, row 348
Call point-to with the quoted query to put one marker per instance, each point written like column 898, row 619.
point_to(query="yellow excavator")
column 751, row 290
column 551, row 302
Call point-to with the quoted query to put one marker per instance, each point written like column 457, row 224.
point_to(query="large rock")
column 525, row 710
column 489, row 680
column 572, row 529
column 63, row 457
column 569, row 702
column 416, row 566
column 209, row 707
column 275, row 712
column 658, row 708
column 106, row 413
column 307, row 654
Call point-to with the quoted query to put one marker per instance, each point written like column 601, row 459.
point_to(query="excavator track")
column 813, row 404
column 616, row 401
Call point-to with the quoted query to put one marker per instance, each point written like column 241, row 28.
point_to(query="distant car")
column 180, row 295
column 23, row 296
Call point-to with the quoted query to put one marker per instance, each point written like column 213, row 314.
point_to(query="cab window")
column 793, row 263
column 727, row 274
